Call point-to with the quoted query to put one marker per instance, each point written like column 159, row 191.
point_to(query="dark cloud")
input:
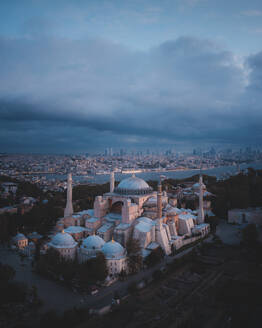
column 78, row 95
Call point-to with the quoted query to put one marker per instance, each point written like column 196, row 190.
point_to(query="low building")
column 92, row 224
column 77, row 232
column 9, row 188
column 246, row 215
column 20, row 241
column 106, row 231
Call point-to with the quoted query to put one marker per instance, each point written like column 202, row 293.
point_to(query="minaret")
column 201, row 215
column 69, row 205
column 159, row 200
column 112, row 181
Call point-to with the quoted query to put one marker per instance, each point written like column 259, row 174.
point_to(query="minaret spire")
column 159, row 199
column 112, row 181
column 69, row 205
column 201, row 215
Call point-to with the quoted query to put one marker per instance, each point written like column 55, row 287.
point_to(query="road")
column 59, row 297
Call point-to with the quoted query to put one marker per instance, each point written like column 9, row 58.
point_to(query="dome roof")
column 196, row 186
column 113, row 250
column 62, row 240
column 20, row 236
column 93, row 242
column 146, row 220
column 74, row 229
column 133, row 185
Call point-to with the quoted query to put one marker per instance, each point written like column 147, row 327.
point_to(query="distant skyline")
column 80, row 76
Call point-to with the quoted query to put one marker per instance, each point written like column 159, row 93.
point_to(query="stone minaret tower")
column 159, row 200
column 112, row 181
column 201, row 215
column 69, row 205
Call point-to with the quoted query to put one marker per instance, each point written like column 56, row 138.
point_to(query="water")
column 217, row 171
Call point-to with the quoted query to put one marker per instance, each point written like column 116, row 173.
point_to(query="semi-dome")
column 113, row 250
column 146, row 220
column 62, row 240
column 93, row 242
column 133, row 185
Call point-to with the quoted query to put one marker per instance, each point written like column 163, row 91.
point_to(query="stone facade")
column 131, row 209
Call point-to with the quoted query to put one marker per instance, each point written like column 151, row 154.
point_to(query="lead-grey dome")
column 93, row 242
column 133, row 186
column 113, row 250
column 63, row 240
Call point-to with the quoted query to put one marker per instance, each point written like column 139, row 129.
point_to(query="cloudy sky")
column 82, row 75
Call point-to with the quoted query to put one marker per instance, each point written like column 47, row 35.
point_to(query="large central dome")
column 133, row 186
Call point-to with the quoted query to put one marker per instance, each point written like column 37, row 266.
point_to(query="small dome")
column 196, row 186
column 93, row 242
column 133, row 185
column 63, row 240
column 113, row 250
column 20, row 236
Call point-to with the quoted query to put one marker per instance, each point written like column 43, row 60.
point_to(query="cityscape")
column 130, row 164
column 49, row 171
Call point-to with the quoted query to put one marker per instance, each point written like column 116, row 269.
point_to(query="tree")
column 7, row 273
column 250, row 235
column 50, row 319
column 93, row 270
column 213, row 221
column 49, row 263
column 100, row 267
column 134, row 257
column 155, row 256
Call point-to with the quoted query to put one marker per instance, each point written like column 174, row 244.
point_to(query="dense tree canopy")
column 155, row 256
column 240, row 191
column 10, row 291
column 53, row 265
column 250, row 235
column 134, row 256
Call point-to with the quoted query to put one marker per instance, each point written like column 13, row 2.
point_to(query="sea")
column 219, row 172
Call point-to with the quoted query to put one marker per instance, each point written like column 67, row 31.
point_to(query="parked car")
column 93, row 290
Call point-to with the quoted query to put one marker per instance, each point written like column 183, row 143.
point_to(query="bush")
column 13, row 292
column 250, row 235
column 7, row 273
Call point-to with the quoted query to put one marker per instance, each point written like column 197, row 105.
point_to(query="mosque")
column 132, row 209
